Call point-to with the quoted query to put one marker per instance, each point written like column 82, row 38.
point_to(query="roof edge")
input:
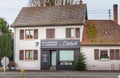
column 45, row 25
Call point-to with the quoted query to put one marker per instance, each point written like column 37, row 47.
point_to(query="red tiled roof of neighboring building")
column 51, row 15
column 108, row 32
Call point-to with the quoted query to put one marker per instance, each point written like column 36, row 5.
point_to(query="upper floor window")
column 29, row 34
column 50, row 33
column 72, row 32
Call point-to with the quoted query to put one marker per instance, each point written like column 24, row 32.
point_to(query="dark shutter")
column 112, row 54
column 77, row 32
column 117, row 57
column 21, row 55
column 50, row 33
column 96, row 54
column 47, row 33
column 35, row 54
column 68, row 32
column 35, row 33
column 21, row 34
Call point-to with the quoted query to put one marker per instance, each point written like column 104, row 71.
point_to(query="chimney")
column 115, row 11
column 81, row 2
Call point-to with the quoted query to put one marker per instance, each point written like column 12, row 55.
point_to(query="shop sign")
column 60, row 43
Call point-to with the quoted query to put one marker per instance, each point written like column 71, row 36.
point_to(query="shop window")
column 72, row 32
column 66, row 57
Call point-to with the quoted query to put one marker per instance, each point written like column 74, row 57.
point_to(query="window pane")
column 27, row 55
column 31, row 33
column 26, row 34
column 66, row 55
column 31, row 55
column 103, row 54
column 72, row 32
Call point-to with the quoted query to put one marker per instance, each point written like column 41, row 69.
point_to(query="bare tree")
column 38, row 3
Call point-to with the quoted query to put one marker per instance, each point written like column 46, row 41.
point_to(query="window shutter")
column 35, row 54
column 50, row 33
column 35, row 33
column 21, row 34
column 68, row 32
column 77, row 32
column 112, row 54
column 47, row 33
column 96, row 54
column 117, row 57
column 21, row 55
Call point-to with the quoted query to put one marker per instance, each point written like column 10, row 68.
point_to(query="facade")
column 102, row 48
column 48, row 37
column 95, row 59
column 52, row 37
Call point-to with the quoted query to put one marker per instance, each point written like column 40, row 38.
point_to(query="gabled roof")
column 51, row 15
column 107, row 32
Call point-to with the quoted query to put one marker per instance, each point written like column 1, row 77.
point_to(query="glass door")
column 53, row 58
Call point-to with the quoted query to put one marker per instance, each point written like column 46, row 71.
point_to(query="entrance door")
column 53, row 58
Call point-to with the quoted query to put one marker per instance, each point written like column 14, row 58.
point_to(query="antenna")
column 109, row 11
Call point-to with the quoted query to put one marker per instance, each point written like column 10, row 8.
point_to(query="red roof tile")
column 108, row 32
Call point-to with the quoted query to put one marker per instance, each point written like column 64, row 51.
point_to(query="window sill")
column 104, row 59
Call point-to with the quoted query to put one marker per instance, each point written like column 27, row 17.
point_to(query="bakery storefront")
column 59, row 54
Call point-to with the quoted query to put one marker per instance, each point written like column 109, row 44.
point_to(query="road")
column 59, row 74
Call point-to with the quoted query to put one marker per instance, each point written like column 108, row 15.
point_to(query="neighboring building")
column 102, row 49
column 48, row 37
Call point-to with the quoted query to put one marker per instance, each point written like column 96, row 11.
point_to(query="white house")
column 48, row 37
column 102, row 47
column 52, row 37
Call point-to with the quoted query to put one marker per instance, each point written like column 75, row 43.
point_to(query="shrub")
column 81, row 65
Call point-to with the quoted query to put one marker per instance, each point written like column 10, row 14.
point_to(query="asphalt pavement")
column 60, row 74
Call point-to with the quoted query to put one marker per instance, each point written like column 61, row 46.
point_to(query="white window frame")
column 108, row 53
column 29, row 33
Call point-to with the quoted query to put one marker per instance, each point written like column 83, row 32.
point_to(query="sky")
column 97, row 9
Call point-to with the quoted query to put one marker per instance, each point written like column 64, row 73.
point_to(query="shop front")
column 59, row 54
